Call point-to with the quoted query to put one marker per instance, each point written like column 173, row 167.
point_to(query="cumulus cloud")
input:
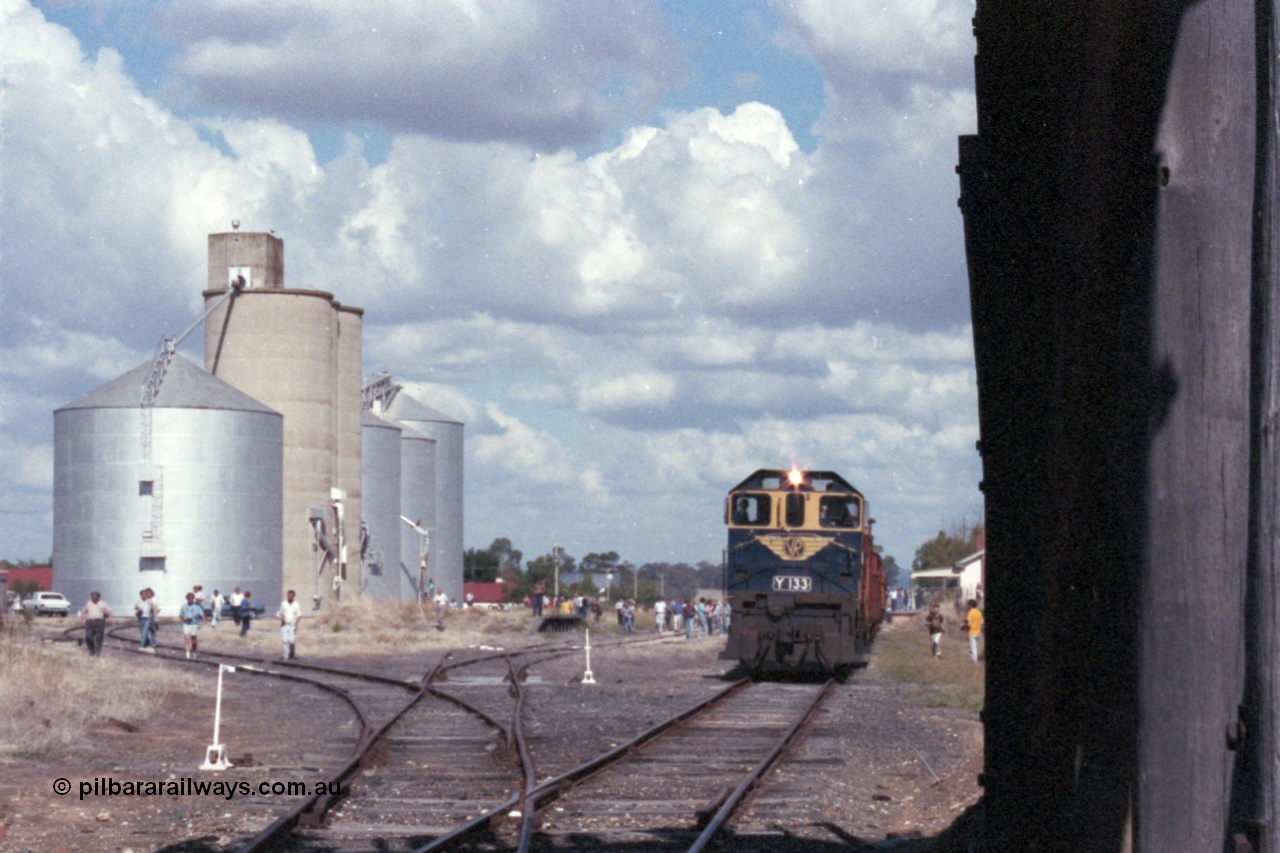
column 664, row 311
column 535, row 457
column 637, row 390
column 545, row 74
column 919, row 38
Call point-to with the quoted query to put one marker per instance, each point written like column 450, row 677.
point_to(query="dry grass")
column 52, row 695
column 902, row 653
column 368, row 628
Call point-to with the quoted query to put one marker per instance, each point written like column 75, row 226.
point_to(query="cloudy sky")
column 641, row 249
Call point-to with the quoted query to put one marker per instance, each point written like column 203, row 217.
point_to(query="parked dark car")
column 258, row 609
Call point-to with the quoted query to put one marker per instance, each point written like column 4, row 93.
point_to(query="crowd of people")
column 192, row 615
column 701, row 617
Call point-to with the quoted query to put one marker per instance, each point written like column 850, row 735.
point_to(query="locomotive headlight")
column 796, row 477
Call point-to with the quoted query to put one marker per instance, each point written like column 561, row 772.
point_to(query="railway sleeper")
column 704, row 814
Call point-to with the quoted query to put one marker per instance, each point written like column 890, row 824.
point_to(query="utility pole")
column 556, row 551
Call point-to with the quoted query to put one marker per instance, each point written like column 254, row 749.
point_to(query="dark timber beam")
column 1119, row 203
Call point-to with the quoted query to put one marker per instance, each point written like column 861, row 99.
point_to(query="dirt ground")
column 878, row 766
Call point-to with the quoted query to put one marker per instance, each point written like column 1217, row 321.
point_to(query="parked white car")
column 47, row 604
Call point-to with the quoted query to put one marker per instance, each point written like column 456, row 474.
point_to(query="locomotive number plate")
column 791, row 583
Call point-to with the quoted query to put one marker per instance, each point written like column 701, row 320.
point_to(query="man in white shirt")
column 290, row 612
column 236, row 599
column 216, row 603
column 94, row 616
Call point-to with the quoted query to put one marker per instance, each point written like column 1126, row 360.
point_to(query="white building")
column 964, row 579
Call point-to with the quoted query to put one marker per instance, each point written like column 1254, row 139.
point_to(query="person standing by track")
column 934, row 622
column 290, row 613
column 246, row 612
column 215, row 604
column 237, row 598
column 191, row 615
column 155, row 619
column 973, row 627
column 94, row 617
column 142, row 609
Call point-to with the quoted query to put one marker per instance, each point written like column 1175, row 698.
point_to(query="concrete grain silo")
column 287, row 347
column 380, row 456
column 447, row 539
column 181, row 492
column 418, row 505
column 349, row 433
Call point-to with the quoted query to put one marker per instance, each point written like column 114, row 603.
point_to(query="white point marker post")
column 215, row 757
column 587, row 677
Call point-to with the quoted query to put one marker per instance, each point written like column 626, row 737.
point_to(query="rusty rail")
column 739, row 793
column 311, row 811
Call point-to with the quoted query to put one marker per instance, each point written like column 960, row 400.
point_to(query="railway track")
column 670, row 788
column 675, row 789
column 457, row 760
column 443, row 762
column 376, row 704
column 428, row 760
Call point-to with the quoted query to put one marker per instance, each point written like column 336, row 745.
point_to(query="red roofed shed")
column 485, row 593
column 42, row 575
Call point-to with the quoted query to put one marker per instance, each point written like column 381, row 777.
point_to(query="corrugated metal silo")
column 446, row 545
column 184, row 492
column 380, row 456
column 417, row 504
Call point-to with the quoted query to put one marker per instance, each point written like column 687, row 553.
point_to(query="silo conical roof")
column 185, row 386
column 369, row 419
column 406, row 408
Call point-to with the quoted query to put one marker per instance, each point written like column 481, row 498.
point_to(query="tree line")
column 646, row 582
column 959, row 540
column 600, row 572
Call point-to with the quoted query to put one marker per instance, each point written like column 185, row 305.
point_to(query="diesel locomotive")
column 802, row 576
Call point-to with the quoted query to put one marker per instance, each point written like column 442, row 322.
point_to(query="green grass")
column 901, row 653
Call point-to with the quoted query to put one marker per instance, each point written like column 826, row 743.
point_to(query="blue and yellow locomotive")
column 803, row 579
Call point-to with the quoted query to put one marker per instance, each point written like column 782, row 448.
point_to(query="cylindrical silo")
column 348, row 415
column 380, row 480
column 446, row 545
column 186, row 491
column 280, row 346
column 418, row 505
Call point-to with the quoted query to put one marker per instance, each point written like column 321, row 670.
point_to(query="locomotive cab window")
column 838, row 511
column 750, row 509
